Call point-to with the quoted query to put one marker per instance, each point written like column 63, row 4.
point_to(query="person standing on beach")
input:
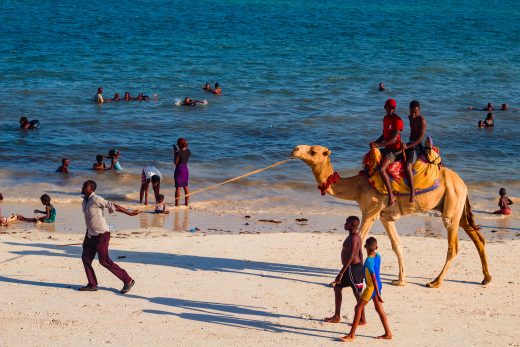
column 391, row 140
column 150, row 174
column 99, row 96
column 352, row 272
column 371, row 292
column 181, row 155
column 97, row 237
column 414, row 147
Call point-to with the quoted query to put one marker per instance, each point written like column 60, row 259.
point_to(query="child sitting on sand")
column 352, row 272
column 503, row 203
column 160, row 207
column 113, row 155
column 99, row 165
column 50, row 212
column 372, row 291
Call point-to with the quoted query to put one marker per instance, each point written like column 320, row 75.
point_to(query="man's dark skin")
column 144, row 190
column 418, row 130
column 380, row 142
column 351, row 253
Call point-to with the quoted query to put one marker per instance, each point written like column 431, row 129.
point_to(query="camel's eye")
column 312, row 152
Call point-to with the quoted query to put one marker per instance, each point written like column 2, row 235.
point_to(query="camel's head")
column 312, row 155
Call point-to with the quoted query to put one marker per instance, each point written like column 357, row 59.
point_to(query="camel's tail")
column 467, row 222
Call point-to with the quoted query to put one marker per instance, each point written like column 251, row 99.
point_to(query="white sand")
column 266, row 289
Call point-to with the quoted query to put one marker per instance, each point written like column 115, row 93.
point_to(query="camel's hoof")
column 486, row 280
column 399, row 283
column 433, row 284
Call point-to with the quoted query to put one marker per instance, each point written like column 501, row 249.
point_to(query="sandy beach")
column 204, row 287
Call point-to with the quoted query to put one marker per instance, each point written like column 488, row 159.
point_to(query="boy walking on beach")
column 372, row 291
column 351, row 274
column 98, row 236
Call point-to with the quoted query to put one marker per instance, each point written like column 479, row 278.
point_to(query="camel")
column 450, row 198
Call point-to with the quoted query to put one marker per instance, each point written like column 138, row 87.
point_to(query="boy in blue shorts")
column 372, row 291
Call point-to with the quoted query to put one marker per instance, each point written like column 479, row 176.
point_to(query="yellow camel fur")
column 451, row 199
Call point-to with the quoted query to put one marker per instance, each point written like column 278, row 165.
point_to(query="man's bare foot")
column 412, row 199
column 347, row 338
column 333, row 319
column 385, row 337
column 391, row 200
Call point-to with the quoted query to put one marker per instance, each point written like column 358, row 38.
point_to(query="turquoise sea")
column 292, row 72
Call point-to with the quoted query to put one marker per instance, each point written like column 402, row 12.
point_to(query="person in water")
column 488, row 108
column 504, row 107
column 99, row 96
column 481, row 124
column 391, row 140
column 217, row 90
column 181, row 155
column 64, row 168
column 99, row 165
column 160, row 206
column 352, row 273
column 503, row 203
column 142, row 97
column 113, row 155
column 188, row 102
column 29, row 125
column 489, row 122
column 114, row 99
column 371, row 292
column 207, row 87
column 414, row 147
column 49, row 213
column 381, row 87
column 150, row 174
column 128, row 97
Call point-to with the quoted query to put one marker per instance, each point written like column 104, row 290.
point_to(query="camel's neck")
column 344, row 188
column 322, row 172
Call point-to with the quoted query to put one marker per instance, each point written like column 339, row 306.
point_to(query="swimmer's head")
column 187, row 99
column 99, row 158
column 207, row 85
column 45, row 199
column 502, row 191
column 116, row 96
column 217, row 85
column 481, row 124
column 381, row 86
column 113, row 153
column 415, row 108
column 100, row 90
column 127, row 95
column 65, row 161
column 489, row 116
column 371, row 244
column 160, row 198
column 23, row 120
column 504, row 107
column 140, row 96
column 155, row 179
column 182, row 143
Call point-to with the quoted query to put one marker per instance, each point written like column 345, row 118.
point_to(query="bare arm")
column 390, row 141
column 421, row 136
column 125, row 211
column 356, row 245
column 376, row 286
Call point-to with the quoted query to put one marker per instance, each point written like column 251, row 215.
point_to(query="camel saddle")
column 425, row 172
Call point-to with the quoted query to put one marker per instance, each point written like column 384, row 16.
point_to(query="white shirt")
column 93, row 209
column 150, row 171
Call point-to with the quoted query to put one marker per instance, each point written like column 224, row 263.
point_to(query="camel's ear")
column 326, row 153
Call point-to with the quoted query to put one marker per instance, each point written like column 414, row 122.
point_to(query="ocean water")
column 292, row 72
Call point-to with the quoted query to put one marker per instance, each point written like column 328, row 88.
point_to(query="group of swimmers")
column 99, row 99
column 206, row 87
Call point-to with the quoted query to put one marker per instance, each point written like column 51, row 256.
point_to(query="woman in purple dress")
column 181, row 155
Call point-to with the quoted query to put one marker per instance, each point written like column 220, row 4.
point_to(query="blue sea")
column 292, row 72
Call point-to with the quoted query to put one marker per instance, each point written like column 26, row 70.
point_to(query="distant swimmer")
column 188, row 102
column 142, row 97
column 99, row 165
column 207, row 87
column 504, row 107
column 25, row 124
column 99, row 96
column 489, row 122
column 113, row 155
column 381, row 87
column 503, row 203
column 116, row 98
column 217, row 89
column 64, row 168
column 489, row 107
column 128, row 97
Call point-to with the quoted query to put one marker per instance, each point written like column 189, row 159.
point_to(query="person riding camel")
column 414, row 148
column 391, row 141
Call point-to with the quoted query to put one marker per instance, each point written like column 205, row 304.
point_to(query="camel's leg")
column 367, row 221
column 398, row 249
column 480, row 243
column 452, row 225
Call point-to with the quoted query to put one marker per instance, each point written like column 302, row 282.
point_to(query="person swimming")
column 381, row 87
column 188, row 102
column 504, row 107
column 489, row 122
column 207, row 87
column 26, row 124
column 113, row 155
column 217, row 90
column 142, row 97
column 128, row 97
